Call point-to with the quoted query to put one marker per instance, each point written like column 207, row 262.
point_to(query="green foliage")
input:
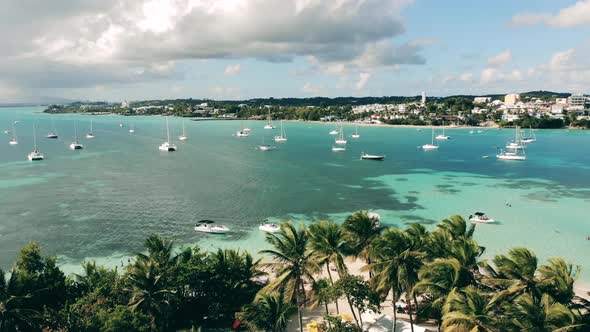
column 336, row 324
column 269, row 312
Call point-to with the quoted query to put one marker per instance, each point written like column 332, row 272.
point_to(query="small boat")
column 372, row 156
column 480, row 131
column 356, row 132
column 265, row 147
column 431, row 146
column 35, row 155
column 268, row 123
column 480, row 217
column 338, row 149
column 7, row 132
column 283, row 136
column 442, row 136
column 53, row 133
column 13, row 140
column 531, row 138
column 75, row 145
column 132, row 129
column 183, row 137
column 340, row 139
column 472, row 131
column 517, row 143
column 241, row 132
column 167, row 146
column 269, row 227
column 90, row 135
column 505, row 155
column 121, row 125
column 209, row 226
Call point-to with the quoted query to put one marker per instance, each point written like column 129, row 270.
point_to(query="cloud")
column 232, row 69
column 362, row 82
column 575, row 15
column 224, row 93
column 500, row 59
column 311, row 89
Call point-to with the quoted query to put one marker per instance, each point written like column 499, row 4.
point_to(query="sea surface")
column 102, row 202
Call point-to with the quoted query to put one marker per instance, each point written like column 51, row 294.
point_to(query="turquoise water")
column 103, row 201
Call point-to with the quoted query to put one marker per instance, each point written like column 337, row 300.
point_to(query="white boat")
column 356, row 132
column 472, row 131
column 268, row 123
column 335, row 131
column 90, row 135
column 247, row 130
column 269, row 227
column 340, row 139
column 132, row 129
column 265, row 147
column 506, row 155
column 35, row 155
column 372, row 156
column 442, row 136
column 517, row 143
column 167, row 146
column 283, row 136
column 241, row 132
column 338, row 148
column 209, row 226
column 531, row 138
column 121, row 124
column 480, row 131
column 13, row 140
column 53, row 133
column 7, row 132
column 480, row 217
column 75, row 145
column 183, row 137
column 430, row 146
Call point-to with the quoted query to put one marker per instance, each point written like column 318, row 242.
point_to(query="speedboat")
column 209, row 226
column 269, row 227
column 265, row 147
column 51, row 135
column 372, row 156
column 241, row 133
column 334, row 132
column 76, row 146
column 338, row 149
column 166, row 146
column 480, row 217
column 269, row 126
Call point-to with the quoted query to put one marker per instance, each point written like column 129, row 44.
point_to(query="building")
column 511, row 99
column 576, row 102
column 423, row 102
column 561, row 101
column 482, row 100
column 125, row 104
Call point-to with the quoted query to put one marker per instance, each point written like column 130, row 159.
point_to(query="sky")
column 117, row 50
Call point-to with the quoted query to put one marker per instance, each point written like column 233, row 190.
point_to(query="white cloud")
column 489, row 75
column 575, row 15
column 501, row 58
column 232, row 69
column 466, row 77
column 311, row 89
column 363, row 80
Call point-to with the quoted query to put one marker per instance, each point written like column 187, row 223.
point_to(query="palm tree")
column 292, row 263
column 468, row 310
column 149, row 293
column 545, row 315
column 16, row 314
column 396, row 265
column 321, row 293
column 159, row 252
column 556, row 278
column 326, row 241
column 361, row 230
column 268, row 312
column 457, row 227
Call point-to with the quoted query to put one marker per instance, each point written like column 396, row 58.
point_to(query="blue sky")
column 235, row 49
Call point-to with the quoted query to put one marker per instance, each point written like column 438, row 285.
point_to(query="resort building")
column 576, row 102
column 482, row 100
column 511, row 99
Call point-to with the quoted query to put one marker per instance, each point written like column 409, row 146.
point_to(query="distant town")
column 536, row 109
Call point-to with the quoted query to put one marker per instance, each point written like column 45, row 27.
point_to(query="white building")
column 576, row 102
column 511, row 99
column 423, row 101
column 482, row 100
column 561, row 101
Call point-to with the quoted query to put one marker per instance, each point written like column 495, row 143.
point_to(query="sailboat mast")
column 13, row 131
column 91, row 126
column 432, row 135
column 167, row 131
column 34, row 137
column 76, row 131
column 183, row 132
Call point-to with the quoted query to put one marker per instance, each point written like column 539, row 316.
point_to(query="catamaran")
column 35, row 155
column 75, row 145
column 167, row 146
column 531, row 138
column 183, row 137
column 90, row 135
column 430, row 146
column 356, row 132
column 268, row 124
column 53, row 133
column 443, row 136
column 340, row 139
column 372, row 156
column 283, row 136
column 242, row 132
column 13, row 140
column 511, row 155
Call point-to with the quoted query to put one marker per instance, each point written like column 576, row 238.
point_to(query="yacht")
column 480, row 217
column 283, row 136
column 372, row 156
column 75, row 145
column 338, row 148
column 35, row 155
column 268, row 123
column 13, row 140
column 183, row 137
column 340, row 139
column 53, row 133
column 269, row 227
column 517, row 143
column 209, row 226
column 242, row 132
column 167, row 146
column 356, row 132
column 430, row 146
column 507, row 155
column 90, row 135
column 531, row 138
column 442, row 136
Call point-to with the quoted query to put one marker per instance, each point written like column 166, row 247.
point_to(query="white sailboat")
column 511, row 155
column 183, row 137
column 443, row 136
column 283, row 136
column 517, row 143
column 53, row 133
column 90, row 135
column 265, row 147
column 132, row 129
column 35, row 155
column 356, row 132
column 340, row 139
column 242, row 132
column 13, row 140
column 338, row 149
column 75, row 145
column 430, row 146
column 167, row 146
column 531, row 138
column 268, row 123
column 367, row 156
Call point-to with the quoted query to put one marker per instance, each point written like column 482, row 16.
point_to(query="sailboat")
column 443, row 136
column 242, row 132
column 90, row 135
column 53, row 133
column 531, row 138
column 183, row 137
column 367, row 156
column 517, row 144
column 13, row 140
column 338, row 149
column 334, row 132
column 76, row 144
column 132, row 129
column 265, row 147
column 35, row 155
column 283, row 136
column 356, row 132
column 511, row 155
column 167, row 146
column 268, row 124
column 430, row 146
column 340, row 139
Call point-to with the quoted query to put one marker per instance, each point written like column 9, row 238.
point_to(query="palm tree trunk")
column 410, row 312
column 370, row 271
column 393, row 300
column 300, row 316
column 332, row 282
column 352, row 310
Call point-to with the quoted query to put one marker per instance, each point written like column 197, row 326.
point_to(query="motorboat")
column 480, row 217
column 269, row 227
column 372, row 156
column 338, row 149
column 209, row 226
column 167, row 146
